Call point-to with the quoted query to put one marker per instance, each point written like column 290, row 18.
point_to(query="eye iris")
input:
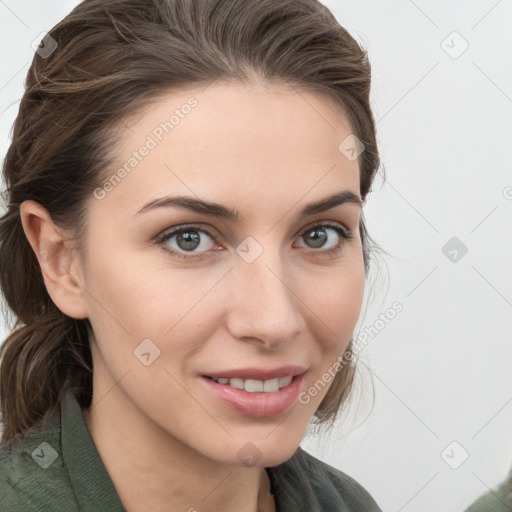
column 317, row 236
column 188, row 240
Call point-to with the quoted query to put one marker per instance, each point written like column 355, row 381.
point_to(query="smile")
column 257, row 398
column 256, row 386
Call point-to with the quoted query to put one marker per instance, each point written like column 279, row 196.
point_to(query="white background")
column 442, row 368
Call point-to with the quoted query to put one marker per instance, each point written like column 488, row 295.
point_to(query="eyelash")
column 345, row 235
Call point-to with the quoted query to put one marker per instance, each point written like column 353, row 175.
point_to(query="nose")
column 264, row 307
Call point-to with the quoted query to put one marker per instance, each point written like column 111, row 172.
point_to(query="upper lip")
column 258, row 373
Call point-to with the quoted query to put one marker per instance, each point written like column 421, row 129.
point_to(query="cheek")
column 131, row 300
column 133, row 297
column 334, row 305
column 334, row 315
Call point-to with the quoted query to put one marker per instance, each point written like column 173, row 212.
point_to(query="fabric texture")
column 60, row 470
column 496, row 500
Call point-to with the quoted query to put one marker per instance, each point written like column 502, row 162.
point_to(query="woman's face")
column 257, row 298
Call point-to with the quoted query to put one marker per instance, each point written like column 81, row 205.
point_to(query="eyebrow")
column 222, row 212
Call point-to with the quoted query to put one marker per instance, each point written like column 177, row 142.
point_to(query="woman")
column 185, row 254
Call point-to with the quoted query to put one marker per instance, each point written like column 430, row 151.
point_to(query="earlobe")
column 57, row 259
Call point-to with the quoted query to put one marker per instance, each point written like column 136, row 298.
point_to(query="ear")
column 57, row 259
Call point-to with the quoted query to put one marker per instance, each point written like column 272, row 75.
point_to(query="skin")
column 167, row 443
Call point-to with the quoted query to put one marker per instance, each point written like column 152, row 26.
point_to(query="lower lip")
column 259, row 404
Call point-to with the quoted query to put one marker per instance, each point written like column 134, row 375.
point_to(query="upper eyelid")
column 213, row 233
column 322, row 223
column 172, row 231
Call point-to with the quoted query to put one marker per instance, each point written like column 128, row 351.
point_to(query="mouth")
column 269, row 395
column 254, row 385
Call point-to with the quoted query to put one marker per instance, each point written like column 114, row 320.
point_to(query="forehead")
column 234, row 140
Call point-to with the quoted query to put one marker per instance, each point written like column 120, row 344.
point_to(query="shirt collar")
column 93, row 488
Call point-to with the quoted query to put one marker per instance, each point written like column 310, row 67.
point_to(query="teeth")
column 254, row 386
column 237, row 383
column 271, row 385
column 257, row 386
column 284, row 381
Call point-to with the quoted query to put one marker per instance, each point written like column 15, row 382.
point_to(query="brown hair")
column 111, row 58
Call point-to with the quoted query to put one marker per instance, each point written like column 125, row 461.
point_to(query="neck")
column 153, row 471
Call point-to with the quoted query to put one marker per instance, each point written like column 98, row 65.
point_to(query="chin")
column 263, row 452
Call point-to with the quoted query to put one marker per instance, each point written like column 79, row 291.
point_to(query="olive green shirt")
column 497, row 500
column 60, row 470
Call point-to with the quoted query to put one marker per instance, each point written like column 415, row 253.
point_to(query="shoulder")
column 497, row 500
column 353, row 493
column 32, row 473
column 318, row 486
